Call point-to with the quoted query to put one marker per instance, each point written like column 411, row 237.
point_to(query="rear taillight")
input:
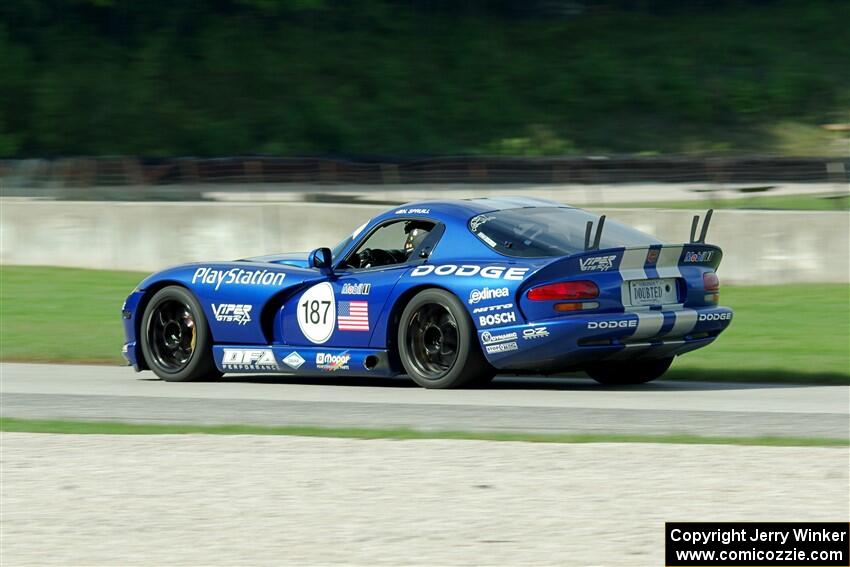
column 710, row 281
column 564, row 291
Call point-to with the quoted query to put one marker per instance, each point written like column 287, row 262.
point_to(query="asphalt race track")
column 538, row 404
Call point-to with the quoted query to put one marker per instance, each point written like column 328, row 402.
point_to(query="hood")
column 297, row 259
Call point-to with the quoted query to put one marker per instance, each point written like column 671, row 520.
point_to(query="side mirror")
column 320, row 258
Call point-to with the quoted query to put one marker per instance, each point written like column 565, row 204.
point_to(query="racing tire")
column 437, row 343
column 175, row 337
column 629, row 372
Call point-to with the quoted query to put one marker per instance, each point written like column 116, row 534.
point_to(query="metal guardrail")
column 135, row 171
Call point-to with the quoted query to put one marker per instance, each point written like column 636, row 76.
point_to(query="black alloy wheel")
column 171, row 334
column 175, row 339
column 432, row 340
column 438, row 344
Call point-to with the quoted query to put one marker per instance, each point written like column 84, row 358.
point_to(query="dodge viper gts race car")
column 447, row 292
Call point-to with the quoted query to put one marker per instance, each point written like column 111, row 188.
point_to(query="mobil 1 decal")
column 317, row 313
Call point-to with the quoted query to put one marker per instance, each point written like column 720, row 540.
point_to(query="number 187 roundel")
column 446, row 292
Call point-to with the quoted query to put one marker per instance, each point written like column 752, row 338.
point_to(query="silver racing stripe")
column 631, row 268
column 649, row 324
column 686, row 320
column 668, row 262
column 633, row 259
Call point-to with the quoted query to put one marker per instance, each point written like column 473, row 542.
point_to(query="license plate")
column 653, row 292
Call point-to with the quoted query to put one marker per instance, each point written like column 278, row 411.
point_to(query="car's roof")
column 463, row 209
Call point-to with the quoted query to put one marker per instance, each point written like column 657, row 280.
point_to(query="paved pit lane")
column 537, row 404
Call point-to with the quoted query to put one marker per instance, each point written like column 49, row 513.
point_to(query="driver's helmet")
column 416, row 233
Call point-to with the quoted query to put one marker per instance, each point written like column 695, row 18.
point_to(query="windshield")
column 541, row 232
column 339, row 248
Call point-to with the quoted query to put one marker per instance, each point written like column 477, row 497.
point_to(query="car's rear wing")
column 588, row 245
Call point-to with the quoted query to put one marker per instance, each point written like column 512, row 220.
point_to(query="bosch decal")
column 496, row 319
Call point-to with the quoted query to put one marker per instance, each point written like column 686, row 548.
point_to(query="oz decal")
column 317, row 313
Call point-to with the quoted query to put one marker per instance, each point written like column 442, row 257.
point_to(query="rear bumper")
column 573, row 341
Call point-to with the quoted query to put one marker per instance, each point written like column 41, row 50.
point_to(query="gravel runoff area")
column 268, row 500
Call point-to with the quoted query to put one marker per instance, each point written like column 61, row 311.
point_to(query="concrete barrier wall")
column 759, row 247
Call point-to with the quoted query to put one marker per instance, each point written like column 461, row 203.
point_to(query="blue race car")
column 447, row 292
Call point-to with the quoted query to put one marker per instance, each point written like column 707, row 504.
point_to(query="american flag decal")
column 353, row 316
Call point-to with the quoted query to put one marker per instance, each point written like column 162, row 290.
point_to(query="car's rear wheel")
column 176, row 340
column 629, row 372
column 437, row 343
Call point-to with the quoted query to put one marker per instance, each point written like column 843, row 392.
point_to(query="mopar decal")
column 332, row 362
column 597, row 263
column 211, row 276
column 496, row 319
column 486, row 293
column 248, row 359
column 495, row 272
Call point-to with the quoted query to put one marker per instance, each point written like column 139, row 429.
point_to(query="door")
column 344, row 310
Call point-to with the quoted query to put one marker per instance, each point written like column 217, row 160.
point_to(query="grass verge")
column 116, row 428
column 787, row 333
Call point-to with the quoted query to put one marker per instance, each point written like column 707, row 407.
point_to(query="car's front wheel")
column 175, row 337
column 629, row 372
column 437, row 343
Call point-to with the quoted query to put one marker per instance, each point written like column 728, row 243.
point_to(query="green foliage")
column 383, row 77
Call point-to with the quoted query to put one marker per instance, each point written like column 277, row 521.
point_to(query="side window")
column 390, row 244
column 388, row 237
